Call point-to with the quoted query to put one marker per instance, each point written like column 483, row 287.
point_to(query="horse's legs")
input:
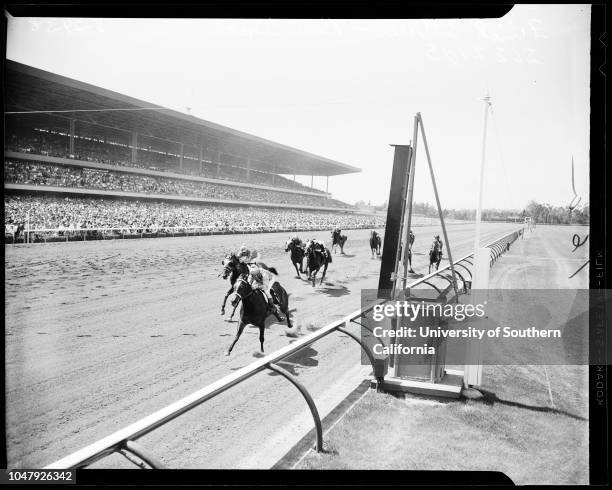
column 229, row 291
column 313, row 275
column 241, row 326
column 296, row 269
column 234, row 310
column 324, row 271
column 285, row 310
column 262, row 329
column 283, row 302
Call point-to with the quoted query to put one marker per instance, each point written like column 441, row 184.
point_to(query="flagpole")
column 487, row 101
column 472, row 375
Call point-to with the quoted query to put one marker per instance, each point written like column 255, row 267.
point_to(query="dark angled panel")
column 394, row 217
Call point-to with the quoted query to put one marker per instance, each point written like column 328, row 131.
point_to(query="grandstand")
column 84, row 150
column 77, row 154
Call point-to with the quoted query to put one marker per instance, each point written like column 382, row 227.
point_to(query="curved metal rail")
column 123, row 440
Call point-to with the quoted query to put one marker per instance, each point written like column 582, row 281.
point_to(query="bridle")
column 242, row 298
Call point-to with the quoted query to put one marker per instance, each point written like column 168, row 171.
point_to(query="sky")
column 348, row 89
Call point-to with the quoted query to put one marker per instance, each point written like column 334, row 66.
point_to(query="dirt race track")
column 101, row 334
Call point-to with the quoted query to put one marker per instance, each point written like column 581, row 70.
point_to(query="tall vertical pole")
column 327, row 185
column 72, row 131
column 134, row 146
column 435, row 188
column 487, row 101
column 472, row 375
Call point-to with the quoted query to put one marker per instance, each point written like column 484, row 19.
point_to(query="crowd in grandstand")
column 47, row 174
column 56, row 144
column 68, row 213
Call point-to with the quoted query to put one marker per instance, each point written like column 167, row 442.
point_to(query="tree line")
column 539, row 212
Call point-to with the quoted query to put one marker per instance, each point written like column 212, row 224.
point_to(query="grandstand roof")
column 31, row 89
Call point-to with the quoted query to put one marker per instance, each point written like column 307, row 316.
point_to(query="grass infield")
column 531, row 424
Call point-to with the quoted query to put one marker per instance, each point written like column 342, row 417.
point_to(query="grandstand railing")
column 123, row 441
column 43, row 235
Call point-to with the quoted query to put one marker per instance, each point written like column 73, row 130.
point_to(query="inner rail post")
column 311, row 404
column 142, row 453
column 377, row 368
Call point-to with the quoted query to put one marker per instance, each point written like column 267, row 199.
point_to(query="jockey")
column 260, row 282
column 437, row 243
column 245, row 255
column 319, row 246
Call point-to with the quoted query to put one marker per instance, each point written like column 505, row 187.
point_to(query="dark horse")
column 296, row 247
column 316, row 260
column 338, row 239
column 375, row 243
column 239, row 270
column 435, row 256
column 255, row 308
column 232, row 268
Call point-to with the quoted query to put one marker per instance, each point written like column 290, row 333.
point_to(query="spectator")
column 63, row 213
column 48, row 174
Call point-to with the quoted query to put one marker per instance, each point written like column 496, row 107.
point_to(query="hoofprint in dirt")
column 100, row 334
column 531, row 424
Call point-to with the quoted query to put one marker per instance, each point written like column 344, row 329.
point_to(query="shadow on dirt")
column 304, row 358
column 334, row 292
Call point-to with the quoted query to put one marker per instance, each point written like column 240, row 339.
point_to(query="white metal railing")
column 123, row 440
column 33, row 235
column 71, row 234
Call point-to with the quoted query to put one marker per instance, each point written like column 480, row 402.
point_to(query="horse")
column 232, row 268
column 375, row 243
column 297, row 254
column 338, row 239
column 315, row 261
column 410, row 242
column 435, row 256
column 255, row 308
